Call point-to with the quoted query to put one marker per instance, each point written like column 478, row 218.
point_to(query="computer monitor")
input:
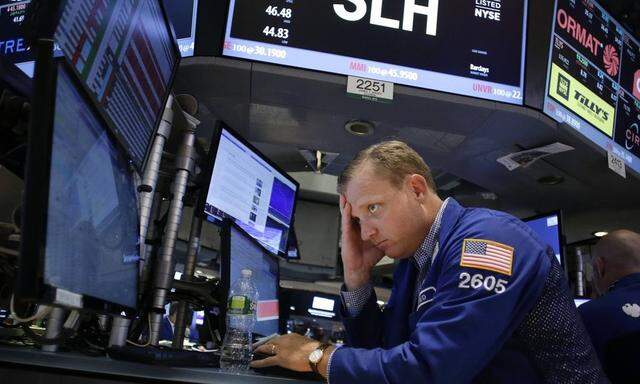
column 549, row 228
column 309, row 304
column 126, row 55
column 240, row 251
column 14, row 48
column 183, row 16
column 244, row 185
column 80, row 234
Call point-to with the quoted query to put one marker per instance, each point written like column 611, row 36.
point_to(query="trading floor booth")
column 156, row 148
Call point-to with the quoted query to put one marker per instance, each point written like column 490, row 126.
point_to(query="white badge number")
column 478, row 281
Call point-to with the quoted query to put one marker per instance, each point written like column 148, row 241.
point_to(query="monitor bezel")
column 119, row 138
column 208, row 174
column 30, row 284
column 225, row 268
column 557, row 212
column 293, row 240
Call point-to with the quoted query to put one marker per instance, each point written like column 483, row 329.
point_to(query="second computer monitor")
column 248, row 188
column 81, row 231
column 239, row 252
column 548, row 228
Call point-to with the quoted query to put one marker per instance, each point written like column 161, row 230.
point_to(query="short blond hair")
column 394, row 159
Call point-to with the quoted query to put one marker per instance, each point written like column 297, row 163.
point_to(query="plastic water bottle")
column 236, row 351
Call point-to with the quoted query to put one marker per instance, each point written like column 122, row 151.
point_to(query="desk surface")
column 70, row 361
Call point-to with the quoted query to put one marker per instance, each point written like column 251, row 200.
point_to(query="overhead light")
column 600, row 233
column 359, row 127
column 551, row 180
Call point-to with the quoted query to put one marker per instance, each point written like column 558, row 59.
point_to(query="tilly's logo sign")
column 581, row 100
column 591, row 105
column 359, row 10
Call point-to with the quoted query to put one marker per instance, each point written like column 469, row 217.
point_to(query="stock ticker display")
column 594, row 78
column 473, row 48
column 124, row 53
column 13, row 47
column 183, row 15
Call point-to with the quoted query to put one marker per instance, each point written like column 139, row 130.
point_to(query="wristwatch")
column 316, row 356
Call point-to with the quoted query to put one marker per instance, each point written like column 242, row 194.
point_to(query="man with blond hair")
column 476, row 296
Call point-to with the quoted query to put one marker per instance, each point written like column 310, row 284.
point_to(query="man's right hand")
column 358, row 256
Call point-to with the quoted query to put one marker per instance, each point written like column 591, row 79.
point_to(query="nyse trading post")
column 594, row 78
column 415, row 43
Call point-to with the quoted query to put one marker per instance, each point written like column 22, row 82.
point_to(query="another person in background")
column 168, row 325
column 613, row 319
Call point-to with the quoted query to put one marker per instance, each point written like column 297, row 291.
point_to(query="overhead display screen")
column 468, row 47
column 13, row 47
column 183, row 15
column 593, row 80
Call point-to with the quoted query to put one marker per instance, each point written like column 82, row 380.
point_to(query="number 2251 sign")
column 368, row 89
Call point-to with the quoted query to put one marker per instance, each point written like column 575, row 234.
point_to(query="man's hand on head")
column 358, row 256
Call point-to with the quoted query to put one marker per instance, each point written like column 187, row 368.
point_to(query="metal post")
column 150, row 179
column 189, row 268
column 54, row 328
column 119, row 331
column 579, row 273
column 146, row 193
column 164, row 272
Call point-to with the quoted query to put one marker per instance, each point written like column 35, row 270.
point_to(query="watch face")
column 315, row 356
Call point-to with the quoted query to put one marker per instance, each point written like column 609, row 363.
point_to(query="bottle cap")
column 246, row 273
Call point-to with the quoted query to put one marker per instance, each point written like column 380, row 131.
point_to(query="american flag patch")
column 488, row 255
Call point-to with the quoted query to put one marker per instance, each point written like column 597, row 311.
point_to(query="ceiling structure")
column 282, row 110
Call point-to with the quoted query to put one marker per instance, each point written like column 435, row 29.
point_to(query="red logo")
column 611, row 60
column 636, row 84
column 578, row 32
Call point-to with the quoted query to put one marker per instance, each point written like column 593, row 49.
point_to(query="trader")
column 476, row 296
column 613, row 320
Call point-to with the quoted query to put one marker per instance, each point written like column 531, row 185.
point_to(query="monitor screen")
column 183, row 15
column 248, row 188
column 92, row 228
column 13, row 46
column 125, row 54
column 593, row 82
column 246, row 253
column 464, row 47
column 547, row 227
column 311, row 304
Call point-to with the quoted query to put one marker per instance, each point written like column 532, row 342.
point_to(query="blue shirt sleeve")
column 474, row 311
column 355, row 300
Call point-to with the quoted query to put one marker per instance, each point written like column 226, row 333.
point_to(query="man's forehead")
column 367, row 184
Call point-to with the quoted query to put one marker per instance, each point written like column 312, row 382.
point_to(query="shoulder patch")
column 488, row 255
